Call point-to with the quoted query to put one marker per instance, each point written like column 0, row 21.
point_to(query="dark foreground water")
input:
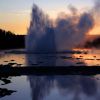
column 69, row 87
column 52, row 87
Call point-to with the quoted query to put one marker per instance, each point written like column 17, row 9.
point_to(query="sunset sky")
column 15, row 14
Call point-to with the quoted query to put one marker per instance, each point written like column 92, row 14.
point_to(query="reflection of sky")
column 15, row 14
column 20, row 85
column 54, row 88
column 90, row 59
column 12, row 58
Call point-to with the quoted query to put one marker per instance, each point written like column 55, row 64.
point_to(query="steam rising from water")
column 66, row 33
column 71, row 31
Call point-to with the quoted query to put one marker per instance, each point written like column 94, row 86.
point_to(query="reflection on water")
column 66, row 59
column 72, row 87
column 12, row 59
column 64, row 88
column 17, row 89
column 92, row 58
column 41, row 59
column 4, row 91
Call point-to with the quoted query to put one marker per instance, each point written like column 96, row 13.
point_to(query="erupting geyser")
column 40, row 33
column 66, row 33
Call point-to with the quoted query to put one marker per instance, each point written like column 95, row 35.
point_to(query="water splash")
column 66, row 33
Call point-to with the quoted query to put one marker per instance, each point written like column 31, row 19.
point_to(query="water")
column 20, row 58
column 55, row 87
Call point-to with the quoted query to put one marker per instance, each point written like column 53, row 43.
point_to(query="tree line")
column 95, row 43
column 9, row 40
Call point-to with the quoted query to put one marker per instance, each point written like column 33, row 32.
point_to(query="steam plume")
column 67, row 32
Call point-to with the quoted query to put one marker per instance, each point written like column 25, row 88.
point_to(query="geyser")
column 66, row 33
column 40, row 33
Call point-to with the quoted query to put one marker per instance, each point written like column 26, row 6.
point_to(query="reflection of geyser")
column 64, row 88
column 66, row 33
column 50, row 60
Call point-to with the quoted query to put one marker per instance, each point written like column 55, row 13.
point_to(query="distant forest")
column 9, row 40
column 95, row 43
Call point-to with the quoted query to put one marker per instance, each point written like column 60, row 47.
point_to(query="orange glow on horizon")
column 16, row 28
column 16, row 23
column 95, row 31
column 19, row 22
column 21, row 28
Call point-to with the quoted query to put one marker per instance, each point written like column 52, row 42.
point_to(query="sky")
column 15, row 14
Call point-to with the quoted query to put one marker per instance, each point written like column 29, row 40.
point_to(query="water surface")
column 20, row 58
column 71, row 87
column 52, row 87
